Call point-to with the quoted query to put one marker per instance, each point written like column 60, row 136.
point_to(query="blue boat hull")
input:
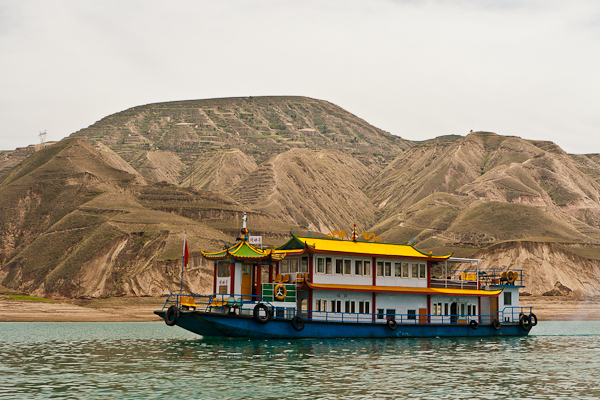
column 221, row 325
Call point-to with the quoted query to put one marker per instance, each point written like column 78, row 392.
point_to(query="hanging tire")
column 533, row 319
column 496, row 324
column 172, row 315
column 392, row 324
column 297, row 323
column 261, row 319
column 525, row 322
column 474, row 324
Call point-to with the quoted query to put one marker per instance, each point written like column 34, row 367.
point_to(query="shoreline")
column 141, row 309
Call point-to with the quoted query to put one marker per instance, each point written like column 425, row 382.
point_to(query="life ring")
column 280, row 292
column 172, row 315
column 533, row 319
column 392, row 324
column 261, row 319
column 297, row 323
column 496, row 324
column 474, row 324
column 511, row 276
column 525, row 322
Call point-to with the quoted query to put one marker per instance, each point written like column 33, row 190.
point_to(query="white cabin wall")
column 237, row 284
column 511, row 311
column 401, row 302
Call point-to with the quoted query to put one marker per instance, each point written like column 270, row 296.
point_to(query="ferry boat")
column 331, row 288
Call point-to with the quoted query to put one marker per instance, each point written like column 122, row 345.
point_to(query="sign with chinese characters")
column 255, row 240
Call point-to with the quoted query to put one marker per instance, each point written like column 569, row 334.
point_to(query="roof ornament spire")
column 354, row 233
column 244, row 228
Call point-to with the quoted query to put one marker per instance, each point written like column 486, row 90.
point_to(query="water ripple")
column 150, row 360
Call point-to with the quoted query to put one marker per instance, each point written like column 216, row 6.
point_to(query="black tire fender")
column 533, row 319
column 496, row 324
column 474, row 324
column 392, row 324
column 297, row 323
column 256, row 313
column 172, row 315
column 525, row 322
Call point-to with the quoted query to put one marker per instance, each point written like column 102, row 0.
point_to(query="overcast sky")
column 418, row 69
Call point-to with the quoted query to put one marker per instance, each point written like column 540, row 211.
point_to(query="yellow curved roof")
column 370, row 248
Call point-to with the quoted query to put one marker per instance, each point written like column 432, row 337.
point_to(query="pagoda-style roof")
column 350, row 247
column 246, row 251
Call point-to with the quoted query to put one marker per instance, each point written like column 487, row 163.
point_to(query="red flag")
column 186, row 253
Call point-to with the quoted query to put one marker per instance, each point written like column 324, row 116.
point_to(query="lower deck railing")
column 244, row 305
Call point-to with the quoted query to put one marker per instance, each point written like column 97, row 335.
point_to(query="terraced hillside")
column 155, row 136
column 472, row 192
column 104, row 212
column 78, row 221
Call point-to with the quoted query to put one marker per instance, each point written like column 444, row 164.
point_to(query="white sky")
column 418, row 69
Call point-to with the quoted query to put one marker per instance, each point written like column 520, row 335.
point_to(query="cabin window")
column 223, row 289
column 507, row 299
column 367, row 268
column 391, row 313
column 446, row 309
column 388, row 268
column 405, row 270
column 285, row 266
column 246, row 268
column 398, row 270
column 363, row 307
column 350, row 306
column 336, row 305
column 439, row 308
column 339, row 266
column 223, row 269
column 462, row 309
column 324, row 305
column 304, row 265
column 412, row 314
column 293, row 265
column 380, row 313
column 358, row 268
column 328, row 265
column 422, row 271
column 318, row 305
column 414, row 271
column 474, row 309
column 347, row 267
column 320, row 265
column 435, row 309
column 379, row 268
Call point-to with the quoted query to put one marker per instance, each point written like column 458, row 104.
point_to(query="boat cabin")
column 360, row 281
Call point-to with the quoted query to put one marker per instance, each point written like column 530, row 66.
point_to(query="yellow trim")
column 406, row 290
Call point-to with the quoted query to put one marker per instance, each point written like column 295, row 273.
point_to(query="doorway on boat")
column 247, row 280
column 493, row 308
column 453, row 313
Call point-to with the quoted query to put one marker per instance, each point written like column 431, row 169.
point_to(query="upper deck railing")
column 474, row 277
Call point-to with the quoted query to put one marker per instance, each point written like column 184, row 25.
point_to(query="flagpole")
column 182, row 266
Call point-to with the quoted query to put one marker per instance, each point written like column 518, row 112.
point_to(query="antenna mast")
column 42, row 136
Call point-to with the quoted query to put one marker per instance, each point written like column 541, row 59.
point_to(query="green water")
column 559, row 360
